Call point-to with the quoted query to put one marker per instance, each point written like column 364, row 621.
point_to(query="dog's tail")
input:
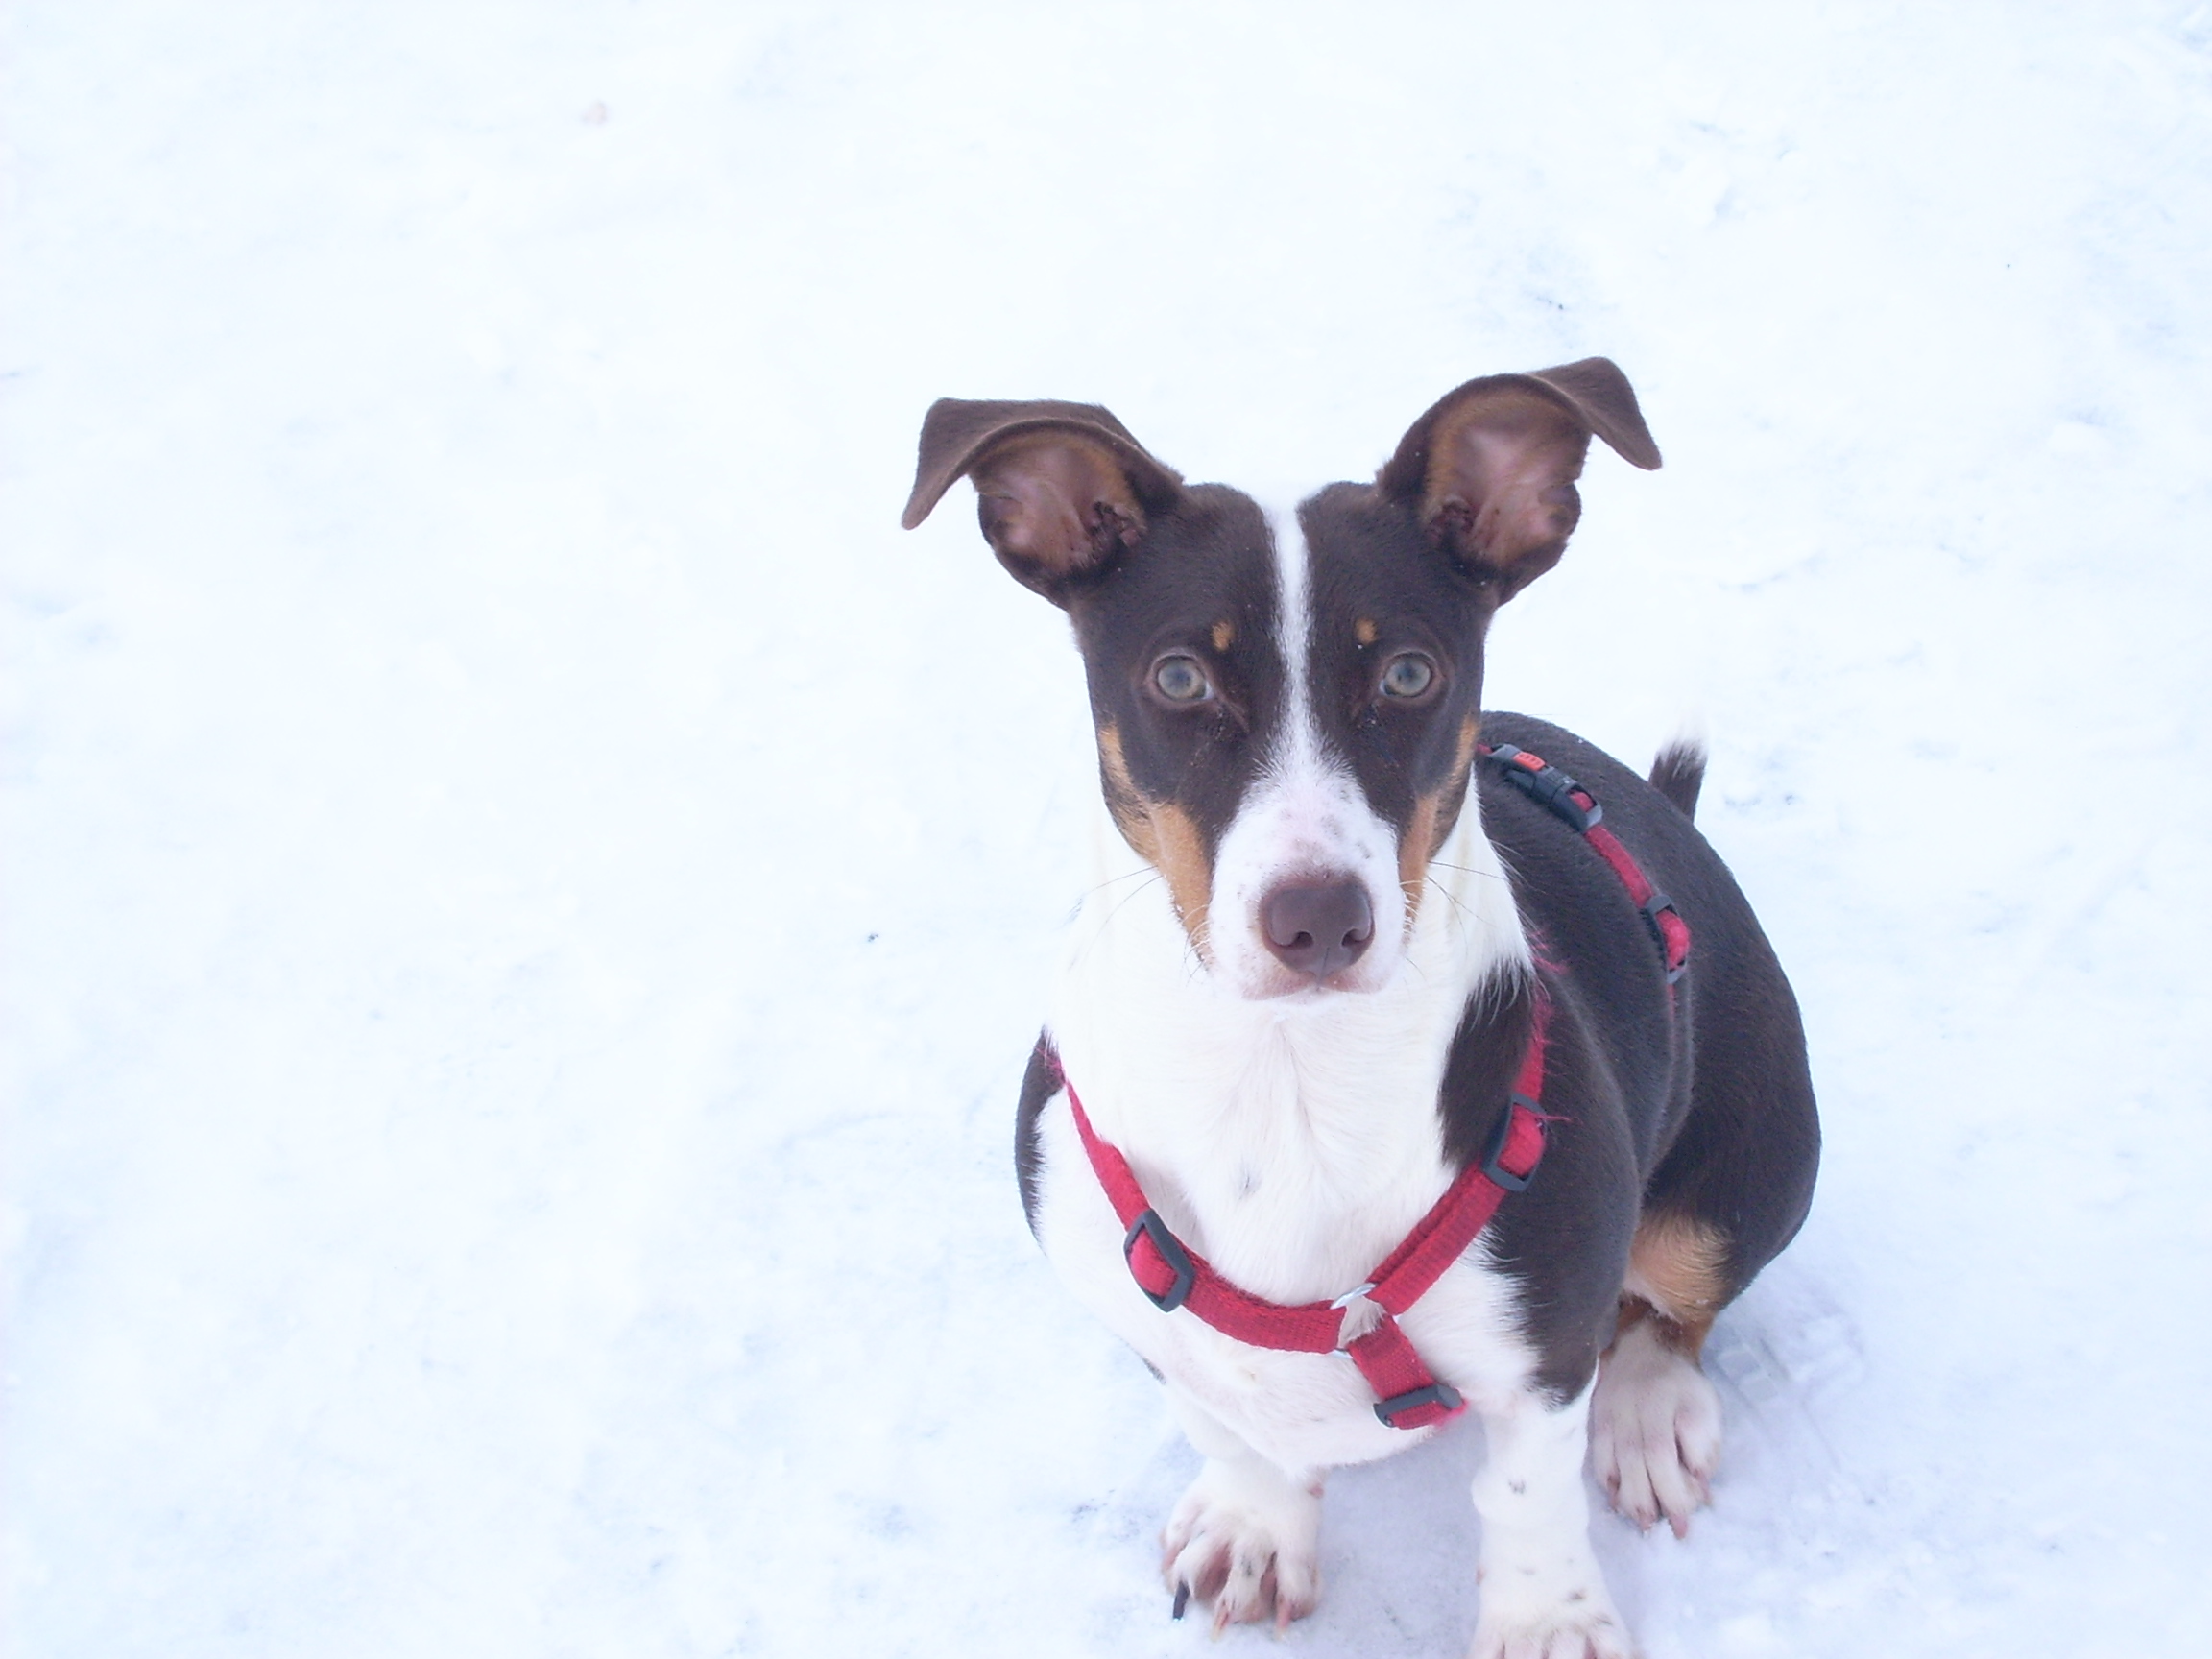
column 1679, row 773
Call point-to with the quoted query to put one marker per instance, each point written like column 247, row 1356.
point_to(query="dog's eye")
column 1180, row 679
column 1407, row 676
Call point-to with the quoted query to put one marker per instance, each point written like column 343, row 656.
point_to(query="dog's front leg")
column 1543, row 1596
column 1245, row 1540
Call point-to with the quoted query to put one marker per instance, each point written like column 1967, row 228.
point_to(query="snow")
column 527, row 895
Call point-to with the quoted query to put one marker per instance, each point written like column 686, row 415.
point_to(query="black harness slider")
column 1148, row 1225
column 1548, row 788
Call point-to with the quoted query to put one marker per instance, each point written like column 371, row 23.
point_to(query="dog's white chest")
column 1301, row 1410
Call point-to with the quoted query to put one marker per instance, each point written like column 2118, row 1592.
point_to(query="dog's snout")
column 1318, row 927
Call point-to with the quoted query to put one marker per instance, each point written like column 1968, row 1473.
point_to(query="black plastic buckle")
column 1499, row 1142
column 1548, row 788
column 1149, row 1226
column 1651, row 908
column 1436, row 1394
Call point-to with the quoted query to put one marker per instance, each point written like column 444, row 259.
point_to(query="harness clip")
column 1652, row 908
column 1169, row 1250
column 1548, row 788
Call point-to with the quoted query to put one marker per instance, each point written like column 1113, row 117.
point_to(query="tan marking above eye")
column 1163, row 834
column 1364, row 631
column 1224, row 635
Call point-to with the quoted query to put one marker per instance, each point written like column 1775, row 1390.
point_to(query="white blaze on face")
column 1305, row 822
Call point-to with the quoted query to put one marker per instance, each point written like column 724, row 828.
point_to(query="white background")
column 526, row 896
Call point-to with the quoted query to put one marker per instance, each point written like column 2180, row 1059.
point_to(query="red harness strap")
column 1407, row 1393
column 1567, row 800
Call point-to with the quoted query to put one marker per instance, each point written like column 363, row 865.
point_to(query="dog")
column 1409, row 1057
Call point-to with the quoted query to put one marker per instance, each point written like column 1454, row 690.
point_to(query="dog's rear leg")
column 1730, row 1193
column 1245, row 1539
column 1655, row 1423
column 1542, row 1591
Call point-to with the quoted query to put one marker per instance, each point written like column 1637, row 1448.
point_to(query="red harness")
column 1408, row 1394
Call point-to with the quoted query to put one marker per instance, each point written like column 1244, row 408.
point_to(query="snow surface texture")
column 527, row 896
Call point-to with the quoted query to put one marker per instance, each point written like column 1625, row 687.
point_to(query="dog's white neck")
column 1290, row 1139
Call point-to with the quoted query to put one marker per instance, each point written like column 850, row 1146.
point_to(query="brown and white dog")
column 1303, row 1030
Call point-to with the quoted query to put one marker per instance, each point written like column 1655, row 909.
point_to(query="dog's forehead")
column 1370, row 563
column 1345, row 558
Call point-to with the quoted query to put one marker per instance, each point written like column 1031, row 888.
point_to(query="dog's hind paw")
column 1246, row 1543
column 1655, row 1429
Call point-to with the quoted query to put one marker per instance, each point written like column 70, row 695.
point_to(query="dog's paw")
column 1245, row 1542
column 1654, row 1430
column 1586, row 1629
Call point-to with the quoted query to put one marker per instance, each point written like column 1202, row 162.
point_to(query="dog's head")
column 1288, row 709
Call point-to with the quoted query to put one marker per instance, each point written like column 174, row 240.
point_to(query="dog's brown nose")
column 1319, row 928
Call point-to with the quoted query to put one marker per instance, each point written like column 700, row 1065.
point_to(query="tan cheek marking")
column 1163, row 834
column 1224, row 635
column 1181, row 857
column 1680, row 1264
column 1416, row 851
column 1363, row 630
column 1429, row 827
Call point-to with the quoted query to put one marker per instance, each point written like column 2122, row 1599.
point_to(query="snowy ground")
column 526, row 894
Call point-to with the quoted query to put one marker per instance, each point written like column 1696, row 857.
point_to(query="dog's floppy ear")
column 1491, row 468
column 1059, row 487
